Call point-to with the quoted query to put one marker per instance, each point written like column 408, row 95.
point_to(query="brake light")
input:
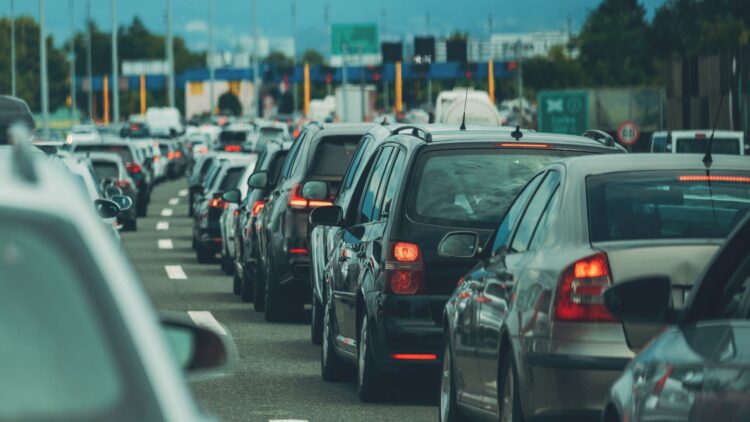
column 298, row 251
column 218, row 203
column 579, row 296
column 257, row 207
column 124, row 183
column 232, row 148
column 156, row 158
column 414, row 356
column 296, row 201
column 406, row 252
column 708, row 178
column 521, row 145
column 700, row 136
column 170, row 155
column 236, row 213
column 404, row 269
column 133, row 167
column 178, row 154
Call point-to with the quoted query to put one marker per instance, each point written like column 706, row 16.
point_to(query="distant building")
column 504, row 46
column 242, row 54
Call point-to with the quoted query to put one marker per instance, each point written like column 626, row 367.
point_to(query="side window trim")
column 384, row 181
column 491, row 241
column 514, row 230
column 354, row 163
column 544, row 215
column 384, row 150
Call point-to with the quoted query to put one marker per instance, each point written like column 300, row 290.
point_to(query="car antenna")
column 517, row 134
column 707, row 158
column 466, row 100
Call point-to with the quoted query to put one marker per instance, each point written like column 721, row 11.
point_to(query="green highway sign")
column 563, row 112
column 358, row 38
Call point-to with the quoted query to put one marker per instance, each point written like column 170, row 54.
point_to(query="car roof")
column 615, row 163
column 108, row 156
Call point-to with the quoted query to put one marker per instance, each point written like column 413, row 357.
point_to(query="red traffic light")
column 329, row 78
column 376, row 77
column 468, row 74
column 512, row 65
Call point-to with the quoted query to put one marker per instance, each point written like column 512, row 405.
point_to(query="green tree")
column 555, row 71
column 614, row 45
column 313, row 57
column 278, row 59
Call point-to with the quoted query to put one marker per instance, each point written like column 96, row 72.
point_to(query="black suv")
column 321, row 153
column 387, row 284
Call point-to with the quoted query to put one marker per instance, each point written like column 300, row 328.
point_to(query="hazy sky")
column 403, row 17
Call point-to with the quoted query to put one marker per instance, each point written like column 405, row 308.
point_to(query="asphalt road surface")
column 277, row 372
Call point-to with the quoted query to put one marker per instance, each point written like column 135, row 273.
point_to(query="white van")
column 695, row 141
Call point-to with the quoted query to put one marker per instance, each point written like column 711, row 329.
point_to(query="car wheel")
column 226, row 266
column 247, row 287
column 449, row 411
column 203, row 255
column 370, row 382
column 274, row 309
column 236, row 285
column 130, row 225
column 259, row 289
column 509, row 400
column 316, row 325
column 332, row 367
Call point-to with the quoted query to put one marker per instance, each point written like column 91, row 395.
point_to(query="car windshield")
column 72, row 363
column 665, row 205
column 332, row 156
column 121, row 150
column 271, row 131
column 233, row 136
column 472, row 188
column 698, row 145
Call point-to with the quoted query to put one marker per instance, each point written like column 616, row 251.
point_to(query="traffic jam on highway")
column 476, row 261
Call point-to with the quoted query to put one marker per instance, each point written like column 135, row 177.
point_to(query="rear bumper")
column 406, row 325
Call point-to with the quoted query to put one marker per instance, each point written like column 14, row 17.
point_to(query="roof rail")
column 415, row 131
column 316, row 123
column 600, row 136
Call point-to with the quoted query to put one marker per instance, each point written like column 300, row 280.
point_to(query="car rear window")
column 332, row 155
column 729, row 146
column 472, row 188
column 231, row 179
column 666, row 205
column 271, row 131
column 121, row 150
column 106, row 170
column 233, row 137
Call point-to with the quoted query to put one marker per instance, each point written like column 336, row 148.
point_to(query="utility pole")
column 519, row 61
column 88, row 61
column 12, row 49
column 256, row 63
column 170, row 53
column 43, row 73
column 344, row 84
column 362, row 83
column 73, row 107
column 295, row 96
column 211, row 73
column 115, row 70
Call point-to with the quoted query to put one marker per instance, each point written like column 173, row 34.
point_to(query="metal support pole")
column 256, row 63
column 43, row 72
column 295, row 94
column 115, row 70
column 344, row 85
column 307, row 89
column 12, row 49
column 211, row 72
column 362, row 85
column 399, row 88
column 88, row 62
column 73, row 106
column 170, row 53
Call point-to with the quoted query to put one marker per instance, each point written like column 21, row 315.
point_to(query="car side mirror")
column 196, row 348
column 233, row 196
column 315, row 190
column 331, row 215
column 112, row 191
column 642, row 300
column 106, row 208
column 124, row 202
column 459, row 245
column 258, row 180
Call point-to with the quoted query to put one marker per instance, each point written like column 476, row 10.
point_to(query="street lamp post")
column 12, row 49
column 170, row 53
column 43, row 71
column 211, row 76
column 115, row 70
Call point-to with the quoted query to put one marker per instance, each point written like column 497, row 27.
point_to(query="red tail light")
column 156, row 158
column 218, row 203
column 662, row 381
column 170, row 155
column 133, row 167
column 297, row 202
column 178, row 154
column 124, row 183
column 521, row 145
column 703, row 178
column 579, row 296
column 404, row 269
column 257, row 206
column 414, row 356
column 298, row 251
column 236, row 213
column 232, row 148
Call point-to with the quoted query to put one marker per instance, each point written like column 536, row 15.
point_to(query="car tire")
column 274, row 299
column 236, row 285
column 130, row 225
column 508, row 376
column 316, row 324
column 370, row 382
column 332, row 367
column 247, row 287
column 226, row 265
column 203, row 255
column 448, row 410
column 259, row 289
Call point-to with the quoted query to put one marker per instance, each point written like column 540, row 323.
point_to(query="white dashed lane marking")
column 183, row 192
column 207, row 320
column 174, row 201
column 175, row 272
column 165, row 244
column 162, row 225
column 166, row 212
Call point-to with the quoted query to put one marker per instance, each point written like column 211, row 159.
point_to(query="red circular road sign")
column 628, row 133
